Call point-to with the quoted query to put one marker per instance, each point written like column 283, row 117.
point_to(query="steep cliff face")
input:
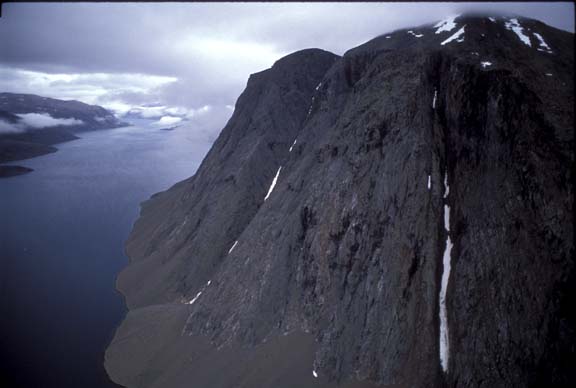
column 184, row 234
column 423, row 187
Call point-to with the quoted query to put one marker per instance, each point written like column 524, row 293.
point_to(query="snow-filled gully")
column 273, row 183
column 199, row 293
column 446, row 266
column 233, row 246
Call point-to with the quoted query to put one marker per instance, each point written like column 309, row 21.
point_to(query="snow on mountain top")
column 447, row 24
column 543, row 45
column 514, row 25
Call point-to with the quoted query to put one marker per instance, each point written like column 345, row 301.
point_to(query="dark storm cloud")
column 193, row 54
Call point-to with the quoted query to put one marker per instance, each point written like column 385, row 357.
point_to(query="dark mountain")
column 55, row 121
column 8, row 117
column 400, row 216
column 92, row 116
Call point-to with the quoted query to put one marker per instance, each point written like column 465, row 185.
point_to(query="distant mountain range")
column 30, row 125
column 400, row 216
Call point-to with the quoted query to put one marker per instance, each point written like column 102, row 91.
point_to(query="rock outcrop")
column 340, row 195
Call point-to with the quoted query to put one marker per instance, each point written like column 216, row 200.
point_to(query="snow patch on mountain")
column 273, row 183
column 233, row 246
column 458, row 37
column 446, row 25
column 543, row 45
column 415, row 34
column 514, row 25
column 195, row 298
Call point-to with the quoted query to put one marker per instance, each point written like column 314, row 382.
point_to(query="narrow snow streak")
column 388, row 37
column 447, row 24
column 543, row 45
column 429, row 182
column 195, row 298
column 233, row 246
column 486, row 64
column 314, row 374
column 514, row 25
column 434, row 99
column 444, row 346
column 273, row 183
column 456, row 37
column 318, row 86
column 446, row 266
column 311, row 106
column 492, row 20
column 549, row 74
column 292, row 146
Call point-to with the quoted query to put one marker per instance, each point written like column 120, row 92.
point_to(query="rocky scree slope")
column 407, row 205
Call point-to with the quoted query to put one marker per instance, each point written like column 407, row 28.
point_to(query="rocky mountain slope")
column 400, row 216
column 30, row 125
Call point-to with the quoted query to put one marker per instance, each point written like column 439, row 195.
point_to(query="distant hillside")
column 92, row 116
column 30, row 125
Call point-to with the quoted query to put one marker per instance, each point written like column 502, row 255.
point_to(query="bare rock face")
column 329, row 202
column 183, row 236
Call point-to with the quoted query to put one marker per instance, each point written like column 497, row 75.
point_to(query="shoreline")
column 9, row 171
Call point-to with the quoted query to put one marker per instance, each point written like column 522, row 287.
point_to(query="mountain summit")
column 399, row 216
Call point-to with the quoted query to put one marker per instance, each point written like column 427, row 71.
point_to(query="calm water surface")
column 62, row 231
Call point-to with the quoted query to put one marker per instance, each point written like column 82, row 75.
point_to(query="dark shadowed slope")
column 444, row 146
column 205, row 214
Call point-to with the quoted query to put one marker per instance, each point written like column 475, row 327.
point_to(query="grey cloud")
column 210, row 48
column 207, row 124
column 44, row 120
column 9, row 128
column 36, row 121
column 166, row 121
column 140, row 37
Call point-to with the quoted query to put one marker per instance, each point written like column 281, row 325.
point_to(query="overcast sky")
column 193, row 58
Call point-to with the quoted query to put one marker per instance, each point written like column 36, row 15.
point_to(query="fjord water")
column 62, row 231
